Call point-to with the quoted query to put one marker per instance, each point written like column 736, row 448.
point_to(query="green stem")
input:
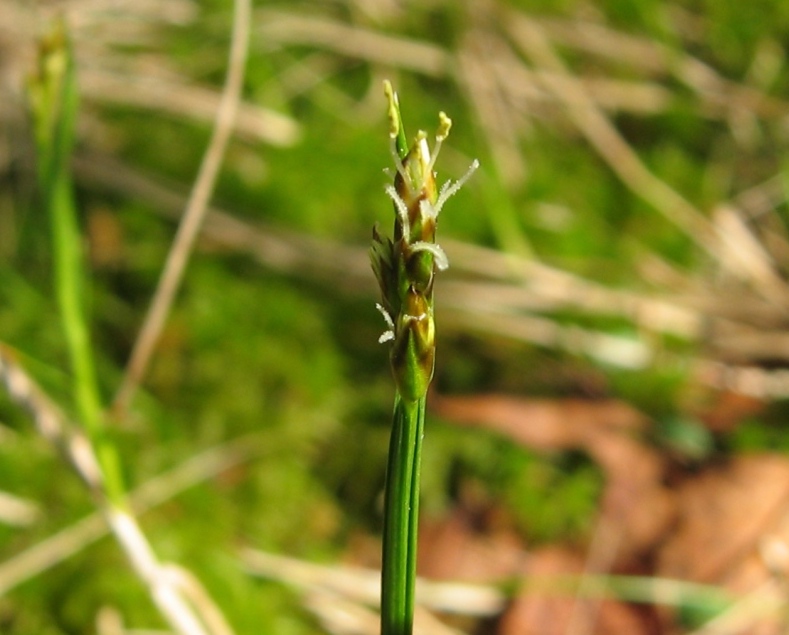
column 413, row 524
column 401, row 515
column 68, row 283
column 54, row 102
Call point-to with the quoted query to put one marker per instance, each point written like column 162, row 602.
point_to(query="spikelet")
column 405, row 266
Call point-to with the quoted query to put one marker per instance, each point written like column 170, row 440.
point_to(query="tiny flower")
column 413, row 351
column 405, row 265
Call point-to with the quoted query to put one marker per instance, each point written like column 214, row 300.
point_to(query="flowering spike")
column 405, row 266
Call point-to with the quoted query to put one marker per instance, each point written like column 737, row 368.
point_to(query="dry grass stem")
column 51, row 423
column 16, row 511
column 363, row 585
column 283, row 27
column 191, row 588
column 764, row 601
column 739, row 243
column 253, row 123
column 44, row 555
column 752, row 381
column 279, row 249
column 341, row 616
column 718, row 96
column 603, row 136
column 76, row 448
column 196, row 208
column 618, row 351
column 485, row 92
column 513, row 287
column 163, row 587
column 601, row 555
column 628, row 166
column 70, row 540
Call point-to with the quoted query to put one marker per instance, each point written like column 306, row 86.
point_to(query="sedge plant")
column 52, row 91
column 405, row 267
column 53, row 99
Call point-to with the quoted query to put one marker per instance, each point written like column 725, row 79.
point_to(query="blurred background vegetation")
column 624, row 242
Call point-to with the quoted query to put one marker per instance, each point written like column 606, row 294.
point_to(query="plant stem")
column 413, row 519
column 54, row 101
column 401, row 517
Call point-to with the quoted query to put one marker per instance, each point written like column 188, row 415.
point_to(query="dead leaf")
column 458, row 548
column 551, row 613
column 724, row 514
column 542, row 424
column 635, row 499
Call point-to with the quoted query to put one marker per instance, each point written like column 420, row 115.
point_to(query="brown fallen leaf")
column 542, row 424
column 462, row 547
column 549, row 613
column 726, row 410
column 724, row 515
column 635, row 500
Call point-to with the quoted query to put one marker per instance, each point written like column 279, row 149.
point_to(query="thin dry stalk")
column 752, row 381
column 44, row 555
column 17, row 511
column 631, row 170
column 278, row 249
column 512, row 286
column 167, row 95
column 68, row 541
column 355, row 42
column 719, row 97
column 341, row 616
column 527, row 94
column 194, row 214
column 162, row 586
column 764, row 601
column 363, row 585
column 195, row 593
column 604, row 137
column 72, row 443
column 490, row 99
column 601, row 554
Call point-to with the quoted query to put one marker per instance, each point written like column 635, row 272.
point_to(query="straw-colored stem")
column 196, row 209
